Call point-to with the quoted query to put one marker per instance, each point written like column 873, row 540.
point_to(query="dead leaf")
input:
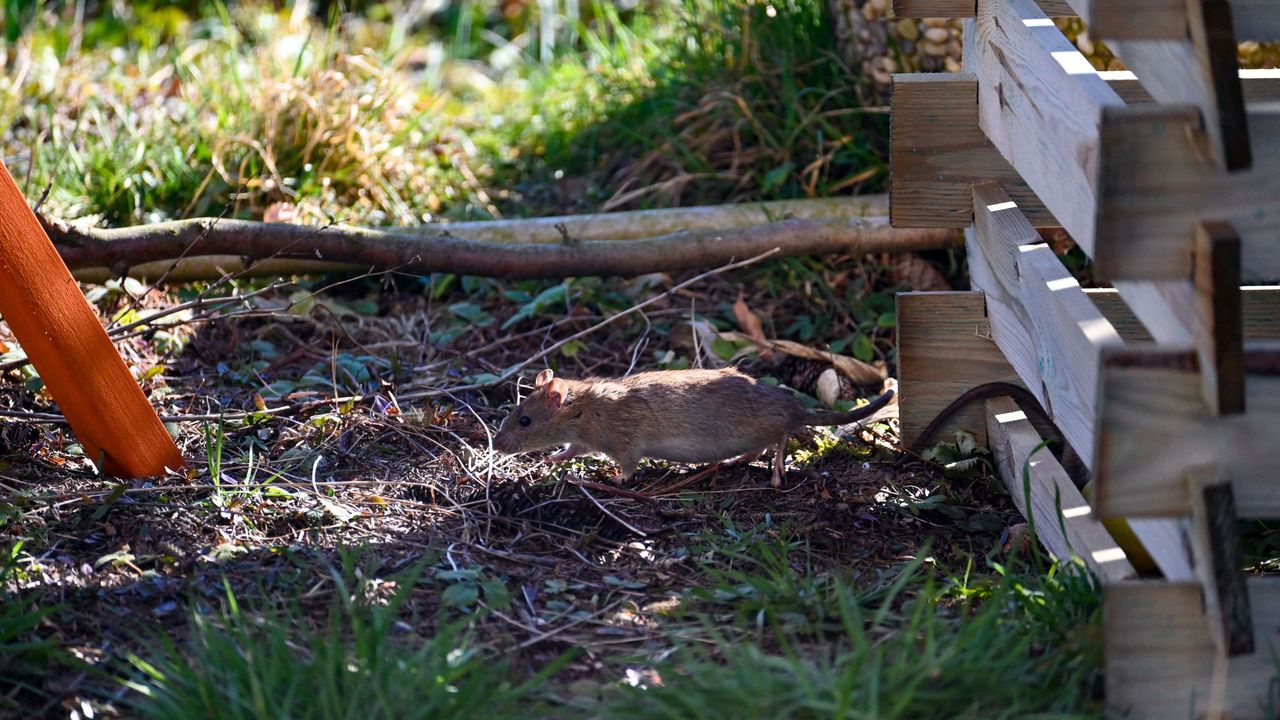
column 280, row 212
column 751, row 324
column 859, row 372
column 917, row 273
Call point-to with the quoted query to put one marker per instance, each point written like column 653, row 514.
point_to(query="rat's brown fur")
column 692, row 416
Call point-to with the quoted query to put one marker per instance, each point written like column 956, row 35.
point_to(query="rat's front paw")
column 566, row 454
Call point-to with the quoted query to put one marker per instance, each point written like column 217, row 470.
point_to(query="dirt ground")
column 269, row 502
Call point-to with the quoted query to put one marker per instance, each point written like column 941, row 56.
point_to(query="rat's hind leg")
column 627, row 463
column 744, row 459
column 779, row 462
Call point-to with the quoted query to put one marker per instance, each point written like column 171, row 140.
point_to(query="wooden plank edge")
column 1153, row 425
column 1063, row 519
column 1161, row 662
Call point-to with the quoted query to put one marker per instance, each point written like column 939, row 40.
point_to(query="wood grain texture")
column 1063, row 520
column 938, row 151
column 944, row 349
column 1154, row 424
column 68, row 346
column 1167, row 19
column 1261, row 313
column 1157, row 181
column 1041, row 319
column 1198, row 68
column 1255, row 20
column 966, row 8
column 1040, row 104
column 1129, row 182
column 1162, row 663
column 1259, row 85
column 1219, row 317
column 1215, row 546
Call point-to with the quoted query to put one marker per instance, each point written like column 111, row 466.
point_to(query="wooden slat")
column 1166, row 19
column 937, row 151
column 1064, row 521
column 1218, row 320
column 1215, row 546
column 1110, row 20
column 1156, row 183
column 1259, row 85
column 1261, row 313
column 965, row 8
column 1040, row 104
column 1040, row 317
column 944, row 350
column 1154, row 425
column 1255, row 20
column 1161, row 662
column 1197, row 68
column 1128, row 182
column 1052, row 334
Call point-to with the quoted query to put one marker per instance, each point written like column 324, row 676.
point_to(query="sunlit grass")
column 373, row 119
column 814, row 645
column 363, row 661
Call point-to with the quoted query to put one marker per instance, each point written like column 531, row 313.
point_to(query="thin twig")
column 608, row 512
column 43, row 196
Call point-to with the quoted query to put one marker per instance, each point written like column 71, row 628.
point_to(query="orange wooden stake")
column 70, row 349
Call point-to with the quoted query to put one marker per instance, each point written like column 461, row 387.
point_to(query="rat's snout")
column 502, row 441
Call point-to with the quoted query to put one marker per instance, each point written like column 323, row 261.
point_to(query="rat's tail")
column 826, row 417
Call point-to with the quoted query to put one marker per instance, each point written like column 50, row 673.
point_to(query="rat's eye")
column 525, row 420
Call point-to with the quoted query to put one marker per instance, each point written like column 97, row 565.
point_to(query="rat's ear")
column 543, row 378
column 557, row 392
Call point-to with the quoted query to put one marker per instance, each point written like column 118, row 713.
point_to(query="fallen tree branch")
column 153, row 248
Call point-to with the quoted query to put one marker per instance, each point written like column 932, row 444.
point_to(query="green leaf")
column 572, row 348
column 496, row 594
column 471, row 312
column 553, row 295
column 723, row 348
column 460, row 595
column 863, row 349
column 887, row 320
column 776, row 177
column 117, row 492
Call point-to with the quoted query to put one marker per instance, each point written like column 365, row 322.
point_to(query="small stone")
column 908, row 30
column 937, row 35
column 829, row 387
column 933, row 49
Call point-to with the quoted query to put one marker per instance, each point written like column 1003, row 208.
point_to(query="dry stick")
column 621, row 492
column 120, row 249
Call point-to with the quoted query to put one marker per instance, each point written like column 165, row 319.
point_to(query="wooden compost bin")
column 1166, row 385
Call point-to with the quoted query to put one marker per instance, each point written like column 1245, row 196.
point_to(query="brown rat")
column 691, row 416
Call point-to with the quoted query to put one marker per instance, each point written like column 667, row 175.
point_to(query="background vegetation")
column 374, row 559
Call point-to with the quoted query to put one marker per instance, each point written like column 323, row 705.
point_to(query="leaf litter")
column 302, row 409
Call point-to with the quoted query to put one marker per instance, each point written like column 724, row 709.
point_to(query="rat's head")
column 535, row 423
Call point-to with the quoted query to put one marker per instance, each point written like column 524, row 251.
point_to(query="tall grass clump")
column 1017, row 644
column 711, row 101
column 362, row 662
column 26, row 657
column 250, row 113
